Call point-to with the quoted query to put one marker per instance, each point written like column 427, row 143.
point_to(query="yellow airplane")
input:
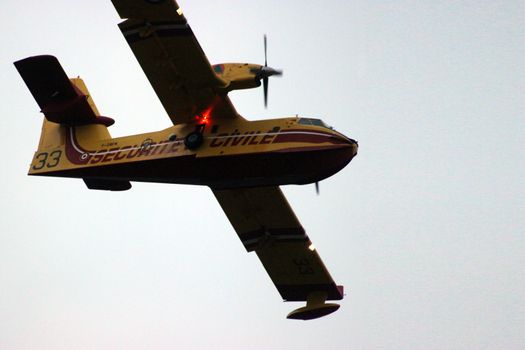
column 243, row 162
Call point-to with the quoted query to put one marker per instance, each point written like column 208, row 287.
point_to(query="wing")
column 172, row 59
column 266, row 224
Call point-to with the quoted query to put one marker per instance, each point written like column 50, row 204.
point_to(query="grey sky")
column 425, row 228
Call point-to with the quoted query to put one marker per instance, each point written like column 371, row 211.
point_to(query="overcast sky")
column 425, row 227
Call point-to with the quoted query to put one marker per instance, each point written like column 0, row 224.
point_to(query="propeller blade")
column 265, row 72
column 265, row 57
column 265, row 87
column 317, row 188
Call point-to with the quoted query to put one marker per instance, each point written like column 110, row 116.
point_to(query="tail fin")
column 65, row 102
column 62, row 101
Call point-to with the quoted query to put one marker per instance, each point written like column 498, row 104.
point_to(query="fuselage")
column 234, row 153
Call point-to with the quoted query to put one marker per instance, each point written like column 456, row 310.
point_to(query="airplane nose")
column 337, row 157
column 350, row 142
column 352, row 146
column 355, row 146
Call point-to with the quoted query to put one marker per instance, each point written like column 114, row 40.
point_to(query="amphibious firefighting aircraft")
column 243, row 162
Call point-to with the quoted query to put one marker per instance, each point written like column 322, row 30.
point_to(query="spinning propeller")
column 265, row 72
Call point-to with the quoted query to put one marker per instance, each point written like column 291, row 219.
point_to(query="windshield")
column 312, row 121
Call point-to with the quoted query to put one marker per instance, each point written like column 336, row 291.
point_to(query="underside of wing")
column 266, row 224
column 173, row 60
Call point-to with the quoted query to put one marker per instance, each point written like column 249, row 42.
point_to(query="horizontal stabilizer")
column 59, row 100
column 108, row 185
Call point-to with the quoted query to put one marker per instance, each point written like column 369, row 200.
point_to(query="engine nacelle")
column 239, row 75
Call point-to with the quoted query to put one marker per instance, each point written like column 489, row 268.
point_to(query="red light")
column 205, row 116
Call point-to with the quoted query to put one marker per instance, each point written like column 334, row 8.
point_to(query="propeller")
column 317, row 188
column 265, row 72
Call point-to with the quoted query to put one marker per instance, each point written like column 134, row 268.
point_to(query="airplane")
column 243, row 162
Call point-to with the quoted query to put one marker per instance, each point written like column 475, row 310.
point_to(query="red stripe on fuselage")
column 307, row 136
column 74, row 153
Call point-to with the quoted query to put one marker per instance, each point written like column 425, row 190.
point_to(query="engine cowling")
column 239, row 75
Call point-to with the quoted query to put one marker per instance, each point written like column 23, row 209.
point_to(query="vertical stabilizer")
column 65, row 103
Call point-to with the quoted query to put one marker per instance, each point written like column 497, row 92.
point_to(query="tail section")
column 62, row 101
column 98, row 129
column 65, row 102
column 54, row 134
column 70, row 113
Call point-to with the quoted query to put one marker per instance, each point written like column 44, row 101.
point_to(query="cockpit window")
column 312, row 121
